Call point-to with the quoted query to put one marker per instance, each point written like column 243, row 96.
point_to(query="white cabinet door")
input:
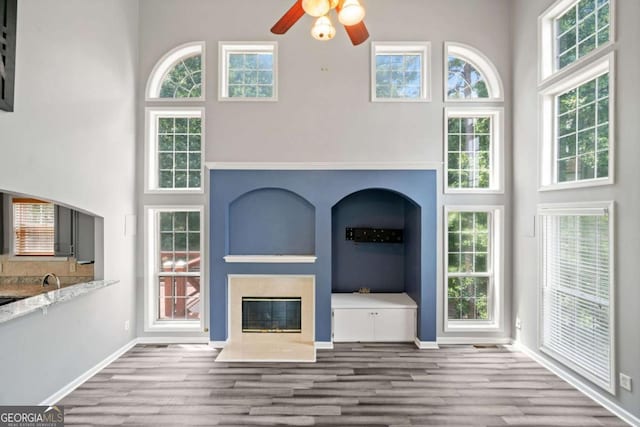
column 394, row 325
column 352, row 325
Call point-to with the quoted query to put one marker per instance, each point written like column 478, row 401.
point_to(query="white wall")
column 326, row 115
column 624, row 192
column 71, row 139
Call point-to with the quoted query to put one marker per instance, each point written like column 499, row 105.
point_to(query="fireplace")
column 276, row 315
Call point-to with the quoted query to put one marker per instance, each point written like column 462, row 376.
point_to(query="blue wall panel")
column 323, row 189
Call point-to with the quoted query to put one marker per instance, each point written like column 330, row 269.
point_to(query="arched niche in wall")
column 381, row 267
column 271, row 221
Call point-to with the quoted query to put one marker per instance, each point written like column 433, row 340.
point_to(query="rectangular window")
column 399, row 72
column 472, row 264
column 175, row 150
column 34, row 227
column 577, row 285
column 582, row 115
column 571, row 30
column 248, row 71
column 577, row 133
column 174, row 261
column 472, row 153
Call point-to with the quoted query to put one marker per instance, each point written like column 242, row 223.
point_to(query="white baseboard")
column 426, row 345
column 473, row 340
column 324, row 345
column 582, row 386
column 60, row 394
column 172, row 340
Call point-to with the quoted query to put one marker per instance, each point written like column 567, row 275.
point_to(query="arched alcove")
column 381, row 267
column 271, row 221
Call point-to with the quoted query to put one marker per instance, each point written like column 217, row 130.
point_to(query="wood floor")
column 352, row 385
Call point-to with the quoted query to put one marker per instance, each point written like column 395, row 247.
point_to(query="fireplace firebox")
column 273, row 315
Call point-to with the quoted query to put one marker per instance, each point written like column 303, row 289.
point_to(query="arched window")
column 179, row 74
column 470, row 75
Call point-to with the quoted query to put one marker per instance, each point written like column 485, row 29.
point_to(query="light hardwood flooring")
column 352, row 385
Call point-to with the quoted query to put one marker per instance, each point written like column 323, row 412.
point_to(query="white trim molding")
column 166, row 63
column 270, row 259
column 323, row 165
column 426, row 345
column 582, row 386
column 548, row 175
column 86, row 376
column 173, row 340
column 227, row 48
column 403, row 48
column 151, row 259
column 495, row 264
column 496, row 150
column 324, row 345
column 547, row 47
column 481, row 63
column 151, row 170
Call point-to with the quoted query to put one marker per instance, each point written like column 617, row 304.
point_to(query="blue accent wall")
column 271, row 221
column 377, row 266
column 323, row 190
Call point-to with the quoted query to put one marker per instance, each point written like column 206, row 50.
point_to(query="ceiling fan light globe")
column 352, row 13
column 316, row 7
column 323, row 29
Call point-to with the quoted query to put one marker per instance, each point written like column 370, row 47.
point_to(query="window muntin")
column 179, row 265
column 174, row 257
column 399, row 72
column 184, row 80
column 582, row 117
column 584, row 27
column 469, row 265
column 469, row 152
column 175, row 150
column 179, row 152
column 248, row 71
column 577, row 318
column 470, row 75
column 464, row 80
column 179, row 75
column 33, row 227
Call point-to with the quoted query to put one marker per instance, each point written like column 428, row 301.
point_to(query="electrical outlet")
column 518, row 323
column 72, row 267
column 126, row 325
column 625, row 381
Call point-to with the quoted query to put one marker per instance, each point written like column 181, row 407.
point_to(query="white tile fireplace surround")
column 269, row 345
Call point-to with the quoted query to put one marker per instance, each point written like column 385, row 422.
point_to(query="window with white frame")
column 400, row 72
column 577, row 133
column 470, row 75
column 174, row 259
column 175, row 150
column 33, row 227
column 577, row 288
column 179, row 74
column 473, row 159
column 473, row 269
column 571, row 30
column 248, row 71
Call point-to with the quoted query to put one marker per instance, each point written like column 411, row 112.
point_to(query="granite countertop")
column 35, row 299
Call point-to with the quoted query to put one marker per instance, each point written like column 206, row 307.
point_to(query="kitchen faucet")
column 45, row 279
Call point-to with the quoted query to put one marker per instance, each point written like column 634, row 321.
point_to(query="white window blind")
column 577, row 306
column 34, row 227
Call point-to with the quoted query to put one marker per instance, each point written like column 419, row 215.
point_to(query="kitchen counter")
column 35, row 299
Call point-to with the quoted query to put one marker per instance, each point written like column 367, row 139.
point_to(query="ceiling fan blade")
column 357, row 33
column 289, row 18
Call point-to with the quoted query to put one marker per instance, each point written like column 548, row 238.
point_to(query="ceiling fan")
column 350, row 14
